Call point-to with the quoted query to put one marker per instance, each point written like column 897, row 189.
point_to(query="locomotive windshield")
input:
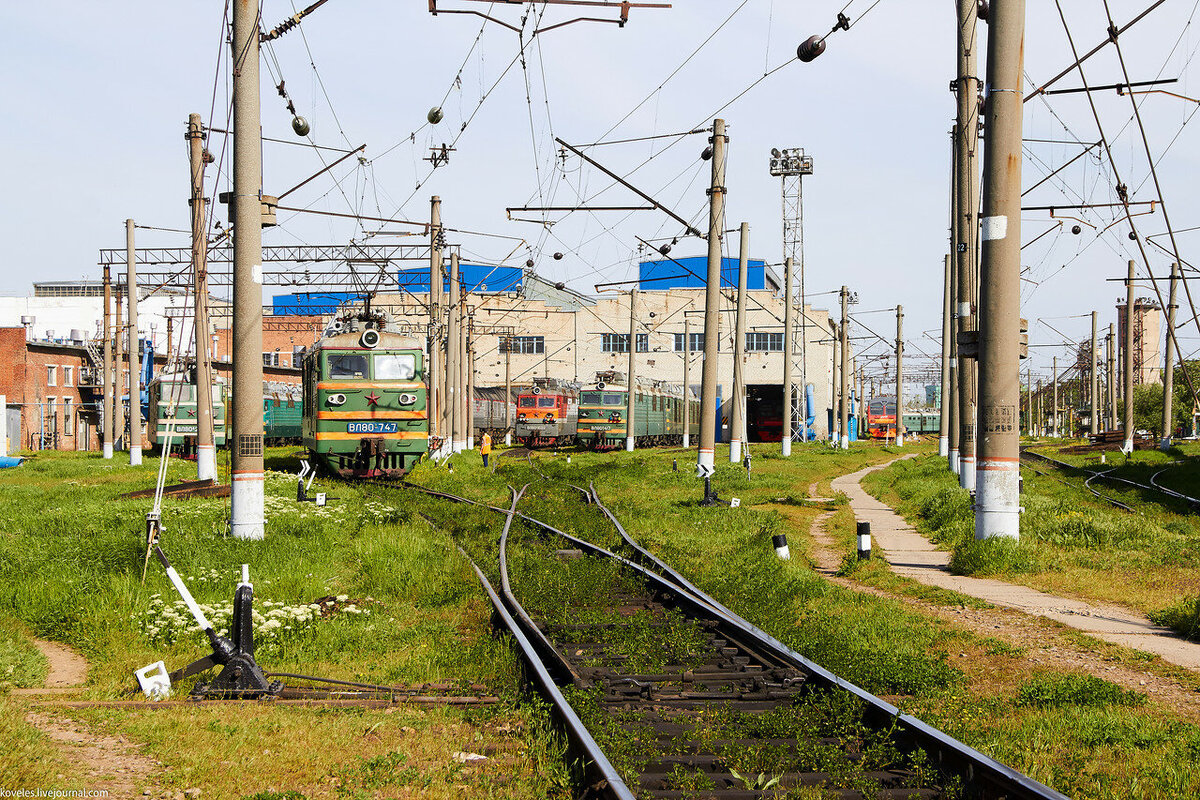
column 528, row 402
column 395, row 367
column 546, row 402
column 347, row 365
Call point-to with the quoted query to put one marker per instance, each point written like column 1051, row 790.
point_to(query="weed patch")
column 1053, row 691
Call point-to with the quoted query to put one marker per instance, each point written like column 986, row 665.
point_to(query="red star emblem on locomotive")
column 373, row 398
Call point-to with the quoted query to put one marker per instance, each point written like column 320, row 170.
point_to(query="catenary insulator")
column 300, row 126
column 812, row 47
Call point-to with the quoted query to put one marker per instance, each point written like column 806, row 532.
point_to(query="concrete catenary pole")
column 246, row 502
column 1169, row 364
column 785, row 441
column 454, row 366
column 998, row 502
column 206, row 452
column 1094, row 380
column 712, row 305
column 944, row 391
column 737, row 417
column 119, row 379
column 434, row 339
column 844, row 391
column 631, row 395
column 469, row 389
column 506, row 343
column 1111, row 376
column 835, row 337
column 3, row 425
column 109, row 393
column 135, row 372
column 899, row 376
column 1054, row 432
column 951, row 398
column 687, row 387
column 967, row 220
column 1127, row 417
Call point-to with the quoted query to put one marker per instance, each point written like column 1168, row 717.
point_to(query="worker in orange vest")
column 485, row 447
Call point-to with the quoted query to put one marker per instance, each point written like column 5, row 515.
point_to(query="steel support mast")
column 712, row 305
column 785, row 441
column 206, row 452
column 844, row 391
column 1127, row 415
column 433, row 345
column 109, row 415
column 997, row 499
column 899, row 376
column 1168, row 364
column 944, row 391
column 967, row 193
column 135, row 372
column 1094, row 381
column 246, row 502
column 630, row 405
column 737, row 415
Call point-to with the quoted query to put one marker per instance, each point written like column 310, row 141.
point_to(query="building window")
column 619, row 342
column 529, row 345
column 697, row 343
column 68, row 427
column 271, row 359
column 758, row 342
column 68, row 376
column 51, row 415
column 52, row 376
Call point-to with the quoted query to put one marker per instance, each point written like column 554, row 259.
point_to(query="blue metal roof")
column 478, row 278
column 303, row 303
column 691, row 272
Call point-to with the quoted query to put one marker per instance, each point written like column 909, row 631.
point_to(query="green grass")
column 71, row 558
column 1053, row 691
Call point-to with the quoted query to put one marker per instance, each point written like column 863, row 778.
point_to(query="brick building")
column 49, row 387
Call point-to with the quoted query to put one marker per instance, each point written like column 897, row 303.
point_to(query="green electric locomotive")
column 365, row 412
column 658, row 417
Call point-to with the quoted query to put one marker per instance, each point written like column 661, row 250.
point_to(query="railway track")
column 1105, row 475
column 691, row 700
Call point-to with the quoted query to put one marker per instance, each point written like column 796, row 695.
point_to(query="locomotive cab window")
column 395, row 366
column 528, row 402
column 586, row 398
column 546, row 402
column 614, row 398
column 347, row 365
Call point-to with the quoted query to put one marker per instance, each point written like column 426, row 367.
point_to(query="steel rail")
column 997, row 779
column 1112, row 501
column 583, row 738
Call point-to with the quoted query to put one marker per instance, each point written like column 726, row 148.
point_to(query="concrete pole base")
column 108, row 450
column 135, row 456
column 246, row 506
column 629, row 444
column 953, row 460
column 705, row 464
column 470, row 442
column 998, row 501
column 845, row 442
column 735, row 451
column 206, row 463
column 785, row 447
column 687, row 441
column 508, row 439
column 966, row 472
column 1127, row 446
column 900, row 440
column 1164, row 444
column 943, row 446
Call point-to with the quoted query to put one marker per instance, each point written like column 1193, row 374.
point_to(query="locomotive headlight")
column 407, row 399
column 336, row 399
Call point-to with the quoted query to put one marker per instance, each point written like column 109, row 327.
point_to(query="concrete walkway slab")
column 913, row 556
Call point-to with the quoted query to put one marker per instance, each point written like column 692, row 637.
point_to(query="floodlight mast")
column 791, row 164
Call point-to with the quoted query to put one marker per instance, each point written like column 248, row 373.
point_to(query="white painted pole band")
column 993, row 228
column 779, row 541
column 206, row 462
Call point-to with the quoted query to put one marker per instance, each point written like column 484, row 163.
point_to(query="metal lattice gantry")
column 314, row 267
column 791, row 165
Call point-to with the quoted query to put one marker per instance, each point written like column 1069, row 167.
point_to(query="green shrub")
column 1055, row 691
column 1182, row 617
column 995, row 556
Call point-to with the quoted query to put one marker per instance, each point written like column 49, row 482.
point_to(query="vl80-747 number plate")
column 371, row 427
